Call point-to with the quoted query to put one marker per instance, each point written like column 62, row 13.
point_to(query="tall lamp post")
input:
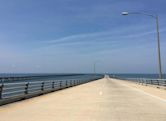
column 155, row 16
column 95, row 67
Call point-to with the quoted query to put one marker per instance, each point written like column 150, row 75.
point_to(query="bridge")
column 105, row 99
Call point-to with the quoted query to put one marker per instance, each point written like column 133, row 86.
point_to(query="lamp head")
column 125, row 13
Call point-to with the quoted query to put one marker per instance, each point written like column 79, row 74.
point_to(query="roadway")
column 103, row 100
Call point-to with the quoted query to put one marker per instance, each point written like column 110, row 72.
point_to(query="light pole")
column 155, row 16
column 95, row 66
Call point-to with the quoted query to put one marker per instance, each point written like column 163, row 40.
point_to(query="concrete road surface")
column 102, row 100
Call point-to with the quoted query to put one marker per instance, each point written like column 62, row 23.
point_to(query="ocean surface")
column 28, row 74
column 10, row 78
column 151, row 76
column 128, row 75
column 71, row 76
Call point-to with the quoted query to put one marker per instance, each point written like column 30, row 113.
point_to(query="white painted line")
column 100, row 89
column 148, row 94
column 100, row 93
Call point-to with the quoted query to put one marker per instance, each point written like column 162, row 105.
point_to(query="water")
column 43, row 77
column 28, row 74
column 151, row 76
column 73, row 76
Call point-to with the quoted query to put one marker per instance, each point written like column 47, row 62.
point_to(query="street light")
column 124, row 13
column 95, row 67
column 155, row 16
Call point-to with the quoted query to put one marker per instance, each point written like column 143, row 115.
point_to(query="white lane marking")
column 102, row 87
column 100, row 93
column 148, row 94
column 99, row 88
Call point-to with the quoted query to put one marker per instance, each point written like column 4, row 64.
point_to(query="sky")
column 69, row 36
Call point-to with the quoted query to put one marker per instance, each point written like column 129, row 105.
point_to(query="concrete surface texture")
column 102, row 100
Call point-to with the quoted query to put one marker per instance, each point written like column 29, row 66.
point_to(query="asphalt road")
column 102, row 100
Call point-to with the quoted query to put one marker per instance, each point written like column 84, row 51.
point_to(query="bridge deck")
column 102, row 100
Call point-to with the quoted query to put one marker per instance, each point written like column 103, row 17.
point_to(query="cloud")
column 111, row 36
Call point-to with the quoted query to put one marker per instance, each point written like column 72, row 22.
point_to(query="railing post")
column 53, row 85
column 42, row 86
column 146, row 82
column 158, row 82
column 66, row 83
column 26, row 88
column 143, row 81
column 60, row 84
column 1, row 89
column 70, row 83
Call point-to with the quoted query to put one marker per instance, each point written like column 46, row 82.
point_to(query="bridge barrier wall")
column 160, row 83
column 11, row 92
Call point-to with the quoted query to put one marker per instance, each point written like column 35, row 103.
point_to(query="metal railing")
column 10, row 92
column 157, row 82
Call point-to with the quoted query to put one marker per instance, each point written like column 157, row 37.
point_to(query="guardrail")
column 10, row 92
column 157, row 82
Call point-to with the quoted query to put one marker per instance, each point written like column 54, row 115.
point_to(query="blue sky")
column 70, row 35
